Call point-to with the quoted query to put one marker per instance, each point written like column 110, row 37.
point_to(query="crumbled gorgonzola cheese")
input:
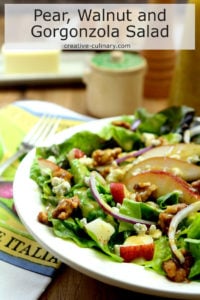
column 60, row 186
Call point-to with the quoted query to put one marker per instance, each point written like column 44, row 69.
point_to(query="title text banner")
column 101, row 26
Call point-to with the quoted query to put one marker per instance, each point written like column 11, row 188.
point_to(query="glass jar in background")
column 160, row 71
column 186, row 82
column 160, row 68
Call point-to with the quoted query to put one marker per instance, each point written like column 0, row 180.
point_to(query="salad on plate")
column 130, row 190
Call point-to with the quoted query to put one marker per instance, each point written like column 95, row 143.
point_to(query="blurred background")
column 2, row 2
column 161, row 64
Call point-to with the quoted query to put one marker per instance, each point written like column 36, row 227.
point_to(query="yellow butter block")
column 30, row 61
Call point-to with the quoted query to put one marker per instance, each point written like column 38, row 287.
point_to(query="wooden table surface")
column 71, row 284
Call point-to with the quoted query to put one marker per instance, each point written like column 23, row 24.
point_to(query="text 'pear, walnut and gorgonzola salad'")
column 132, row 190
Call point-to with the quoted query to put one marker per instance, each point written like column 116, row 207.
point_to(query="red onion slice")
column 135, row 124
column 111, row 210
column 133, row 154
column 182, row 214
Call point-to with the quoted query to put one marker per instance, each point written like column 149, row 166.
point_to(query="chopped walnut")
column 123, row 124
column 166, row 216
column 43, row 218
column 62, row 173
column 104, row 170
column 105, row 157
column 144, row 190
column 178, row 272
column 173, row 209
column 164, row 221
column 65, row 208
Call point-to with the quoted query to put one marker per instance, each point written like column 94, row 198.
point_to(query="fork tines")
column 43, row 129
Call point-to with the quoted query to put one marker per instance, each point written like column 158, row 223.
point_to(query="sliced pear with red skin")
column 140, row 246
column 182, row 168
column 180, row 151
column 55, row 169
column 166, row 183
column 118, row 191
column 78, row 153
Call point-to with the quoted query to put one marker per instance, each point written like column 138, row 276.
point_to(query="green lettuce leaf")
column 162, row 253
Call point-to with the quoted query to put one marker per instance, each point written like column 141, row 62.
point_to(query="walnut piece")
column 105, row 157
column 65, row 208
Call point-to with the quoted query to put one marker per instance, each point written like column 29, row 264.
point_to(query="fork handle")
column 11, row 160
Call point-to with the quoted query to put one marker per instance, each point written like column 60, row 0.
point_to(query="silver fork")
column 39, row 133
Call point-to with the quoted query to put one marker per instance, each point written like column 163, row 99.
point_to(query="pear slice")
column 181, row 151
column 182, row 168
column 140, row 246
column 166, row 183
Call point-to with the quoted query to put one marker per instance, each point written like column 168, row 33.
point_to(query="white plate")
column 125, row 275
